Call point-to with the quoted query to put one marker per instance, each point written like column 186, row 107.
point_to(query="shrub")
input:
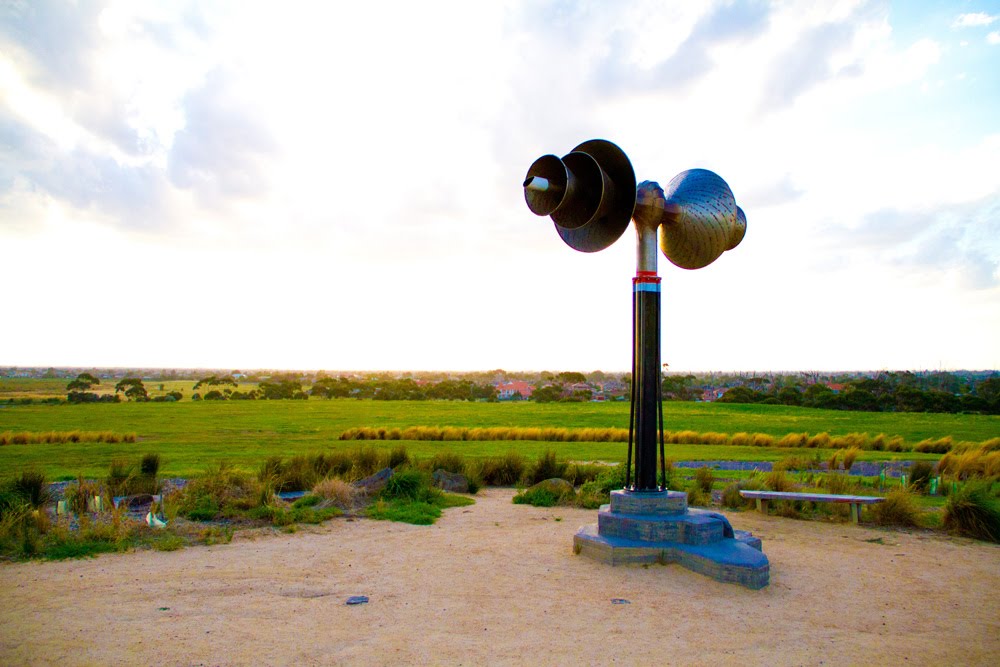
column 974, row 512
column 849, row 456
column 406, row 484
column 742, row 439
column 448, row 460
column 898, row 509
column 597, row 492
column 536, row 497
column 79, row 494
column 581, row 473
column 832, row 462
column 837, row 484
column 704, row 478
column 546, row 467
column 794, row 463
column 696, row 496
column 120, row 473
column 366, row 462
column 777, row 481
column 149, row 466
column 762, row 440
column 819, row 441
column 794, row 440
column 397, row 457
column 31, row 486
column 337, row 491
column 731, row 497
column 920, row 476
column 505, row 470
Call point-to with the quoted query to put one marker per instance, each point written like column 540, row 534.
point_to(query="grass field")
column 191, row 436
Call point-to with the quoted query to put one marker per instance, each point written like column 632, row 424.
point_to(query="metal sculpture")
column 591, row 195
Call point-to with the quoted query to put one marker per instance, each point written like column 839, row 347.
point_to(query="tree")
column 133, row 389
column 790, row 396
column 571, row 377
column 79, row 389
column 547, row 394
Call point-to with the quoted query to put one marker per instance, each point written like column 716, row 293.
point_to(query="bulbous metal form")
column 701, row 219
column 589, row 193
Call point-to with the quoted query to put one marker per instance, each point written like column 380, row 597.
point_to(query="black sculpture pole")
column 646, row 353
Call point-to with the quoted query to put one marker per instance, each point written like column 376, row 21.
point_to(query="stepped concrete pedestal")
column 658, row 527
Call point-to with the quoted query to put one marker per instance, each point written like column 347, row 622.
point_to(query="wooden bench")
column 855, row 501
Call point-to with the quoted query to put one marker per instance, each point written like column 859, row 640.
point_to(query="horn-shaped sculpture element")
column 700, row 220
column 589, row 193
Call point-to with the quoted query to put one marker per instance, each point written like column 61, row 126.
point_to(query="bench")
column 762, row 497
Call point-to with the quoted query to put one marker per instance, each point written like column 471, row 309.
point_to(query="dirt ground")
column 498, row 583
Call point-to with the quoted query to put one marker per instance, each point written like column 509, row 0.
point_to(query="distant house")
column 508, row 391
column 710, row 395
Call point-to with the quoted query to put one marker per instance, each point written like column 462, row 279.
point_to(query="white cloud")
column 974, row 20
column 355, row 169
column 993, row 37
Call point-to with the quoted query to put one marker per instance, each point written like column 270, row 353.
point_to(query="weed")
column 777, row 481
column 898, row 509
column 920, row 476
column 32, row 487
column 337, row 491
column 849, row 456
column 397, row 458
column 974, row 512
column 704, row 478
column 546, row 467
column 449, row 461
column 366, row 462
column 505, row 470
column 731, row 497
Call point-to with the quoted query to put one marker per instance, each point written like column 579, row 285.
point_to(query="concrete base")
column 658, row 527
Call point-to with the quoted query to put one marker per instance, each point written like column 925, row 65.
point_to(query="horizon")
column 256, row 371
column 176, row 196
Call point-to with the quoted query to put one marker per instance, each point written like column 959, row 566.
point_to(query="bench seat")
column 855, row 502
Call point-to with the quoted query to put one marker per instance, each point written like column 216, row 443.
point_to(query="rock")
column 374, row 483
column 556, row 486
column 450, row 481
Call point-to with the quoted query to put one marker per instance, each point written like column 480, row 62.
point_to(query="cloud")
column 807, row 63
column 993, row 37
column 221, row 152
column 692, row 60
column 974, row 20
column 963, row 239
column 773, row 194
column 53, row 40
column 132, row 196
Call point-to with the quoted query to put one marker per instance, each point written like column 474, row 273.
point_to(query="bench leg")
column 855, row 512
column 762, row 505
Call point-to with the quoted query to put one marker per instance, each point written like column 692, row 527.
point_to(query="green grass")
column 189, row 437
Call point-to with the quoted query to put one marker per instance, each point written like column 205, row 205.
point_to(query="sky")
column 338, row 185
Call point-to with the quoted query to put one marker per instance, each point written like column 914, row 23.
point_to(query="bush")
column 696, row 495
column 777, row 481
column 407, row 484
column 819, row 441
column 149, row 466
column 837, row 484
column 974, row 512
column 32, row 488
column 337, row 491
column 397, row 458
column 536, row 497
column 849, row 456
column 120, row 474
column 366, row 462
column 449, row 461
column 704, row 478
column 546, row 467
column 898, row 509
column 920, row 476
column 731, row 497
column 505, row 470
